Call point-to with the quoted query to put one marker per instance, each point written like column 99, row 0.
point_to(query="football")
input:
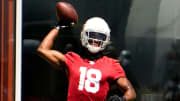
column 66, row 14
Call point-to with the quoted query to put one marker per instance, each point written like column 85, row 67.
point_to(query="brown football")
column 66, row 14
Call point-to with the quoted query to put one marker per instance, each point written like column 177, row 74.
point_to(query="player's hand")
column 116, row 98
column 71, row 25
column 59, row 26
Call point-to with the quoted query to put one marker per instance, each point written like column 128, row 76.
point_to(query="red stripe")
column 10, row 51
column 6, row 54
column 2, row 47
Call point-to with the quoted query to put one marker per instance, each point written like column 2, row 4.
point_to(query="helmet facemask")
column 95, row 41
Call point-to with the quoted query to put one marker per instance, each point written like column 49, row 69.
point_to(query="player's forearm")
column 127, row 88
column 130, row 94
column 48, row 41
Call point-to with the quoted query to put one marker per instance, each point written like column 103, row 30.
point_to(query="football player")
column 90, row 73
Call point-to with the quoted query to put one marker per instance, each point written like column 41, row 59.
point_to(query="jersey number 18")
column 93, row 77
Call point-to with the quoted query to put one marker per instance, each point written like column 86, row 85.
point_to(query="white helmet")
column 95, row 34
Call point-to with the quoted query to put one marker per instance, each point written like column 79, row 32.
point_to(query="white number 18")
column 90, row 79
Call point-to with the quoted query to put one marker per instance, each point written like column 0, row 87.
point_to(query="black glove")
column 116, row 98
column 65, row 25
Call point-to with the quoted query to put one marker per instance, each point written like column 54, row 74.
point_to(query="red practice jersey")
column 89, row 80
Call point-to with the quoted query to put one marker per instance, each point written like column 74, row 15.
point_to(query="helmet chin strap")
column 85, row 53
column 93, row 49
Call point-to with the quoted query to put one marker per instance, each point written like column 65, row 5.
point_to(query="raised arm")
column 126, row 86
column 54, row 57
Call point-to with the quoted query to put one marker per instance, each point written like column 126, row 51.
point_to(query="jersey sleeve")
column 71, row 58
column 117, row 70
